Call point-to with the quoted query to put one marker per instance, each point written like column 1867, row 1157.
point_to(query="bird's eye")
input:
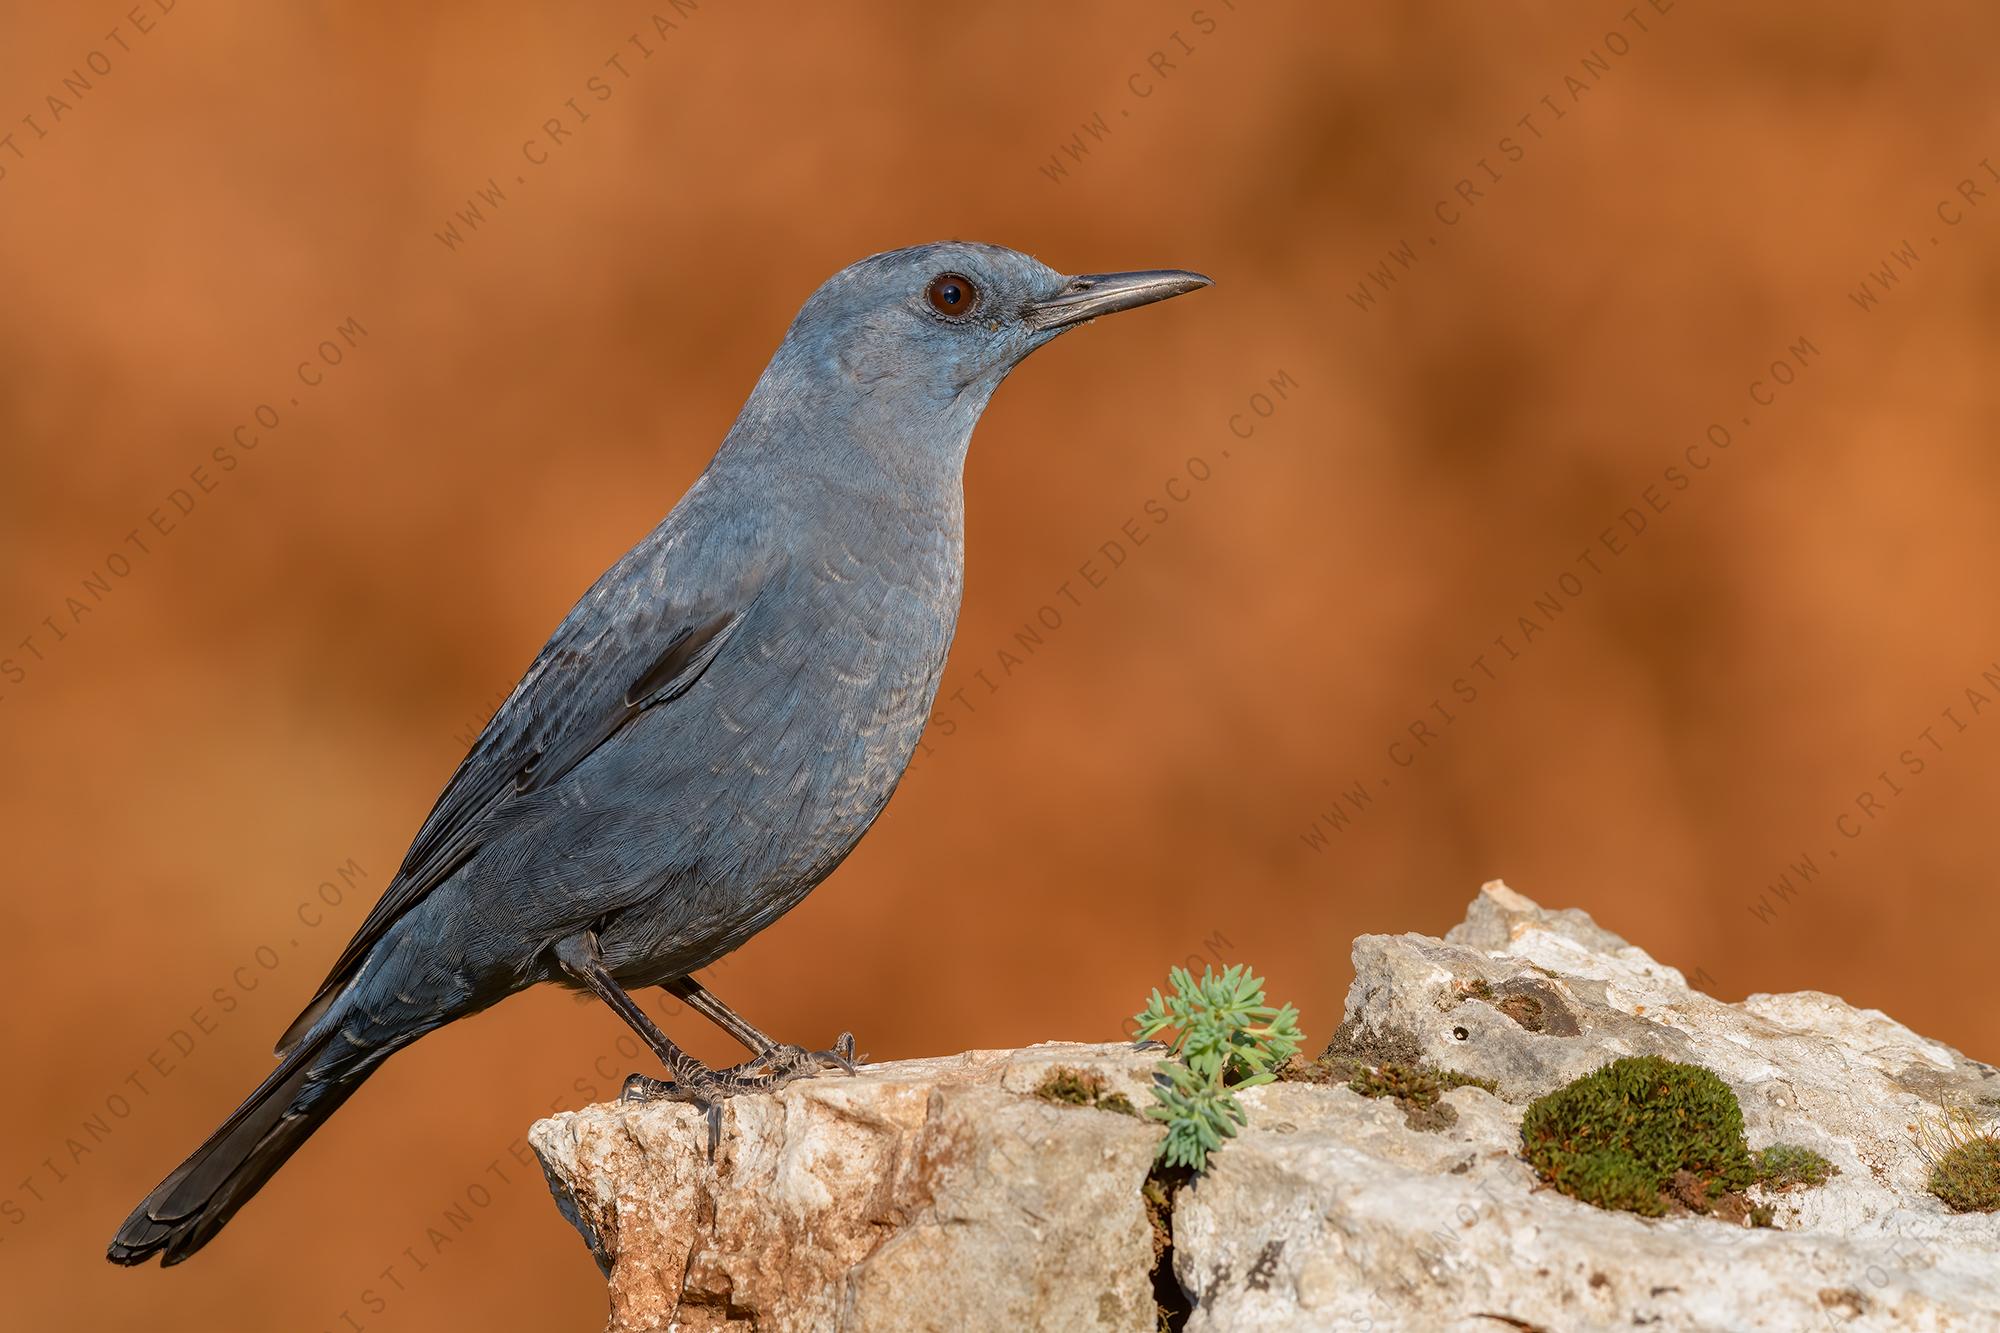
column 952, row 294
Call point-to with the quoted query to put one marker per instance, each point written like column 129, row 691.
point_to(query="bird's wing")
column 640, row 637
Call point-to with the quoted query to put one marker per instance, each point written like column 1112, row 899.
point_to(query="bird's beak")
column 1092, row 294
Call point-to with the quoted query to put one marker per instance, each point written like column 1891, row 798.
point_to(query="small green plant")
column 1784, row 1166
column 1638, row 1135
column 1964, row 1156
column 1225, row 1037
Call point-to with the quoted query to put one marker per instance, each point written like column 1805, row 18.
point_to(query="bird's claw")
column 785, row 1062
column 838, row 1056
column 704, row 1089
column 698, row 1090
column 707, row 1088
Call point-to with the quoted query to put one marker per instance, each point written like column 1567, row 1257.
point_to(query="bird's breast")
column 808, row 726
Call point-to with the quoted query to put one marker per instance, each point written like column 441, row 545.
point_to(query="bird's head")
column 923, row 336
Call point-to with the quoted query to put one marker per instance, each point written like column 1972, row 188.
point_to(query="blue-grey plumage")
column 713, row 726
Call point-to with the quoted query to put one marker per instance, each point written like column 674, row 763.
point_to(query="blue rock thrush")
column 709, row 731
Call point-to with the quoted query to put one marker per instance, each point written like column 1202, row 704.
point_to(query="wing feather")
column 610, row 660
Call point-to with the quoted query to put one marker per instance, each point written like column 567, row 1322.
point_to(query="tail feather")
column 192, row 1204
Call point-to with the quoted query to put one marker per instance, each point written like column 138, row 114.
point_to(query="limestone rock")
column 925, row 1194
column 1332, row 1214
column 942, row 1194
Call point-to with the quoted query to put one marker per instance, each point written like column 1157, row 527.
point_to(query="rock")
column 925, row 1194
column 943, row 1194
column 1332, row 1214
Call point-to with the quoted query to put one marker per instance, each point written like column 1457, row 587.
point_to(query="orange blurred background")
column 1440, row 533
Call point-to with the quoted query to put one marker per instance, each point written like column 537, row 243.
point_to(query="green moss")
column 1964, row 1153
column 1415, row 1087
column 1638, row 1135
column 1071, row 1087
column 1784, row 1166
column 1967, row 1177
column 1083, row 1087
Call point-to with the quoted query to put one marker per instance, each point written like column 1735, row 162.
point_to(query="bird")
column 709, row 731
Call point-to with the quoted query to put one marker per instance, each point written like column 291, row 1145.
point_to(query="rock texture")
column 926, row 1194
column 1337, row 1216
column 942, row 1194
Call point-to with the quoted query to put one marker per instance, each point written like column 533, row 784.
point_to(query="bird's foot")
column 785, row 1062
column 701, row 1087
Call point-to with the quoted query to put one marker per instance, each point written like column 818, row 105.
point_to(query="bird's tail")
column 192, row 1204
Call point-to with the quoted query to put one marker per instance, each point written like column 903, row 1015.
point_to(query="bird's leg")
column 704, row 1002
column 694, row 1082
column 781, row 1061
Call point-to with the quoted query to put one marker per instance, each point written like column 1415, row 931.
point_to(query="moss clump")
column 1784, row 1166
column 1415, row 1087
column 1639, row 1135
column 1083, row 1087
column 1071, row 1087
column 1419, row 1083
column 1967, row 1178
column 1964, row 1155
